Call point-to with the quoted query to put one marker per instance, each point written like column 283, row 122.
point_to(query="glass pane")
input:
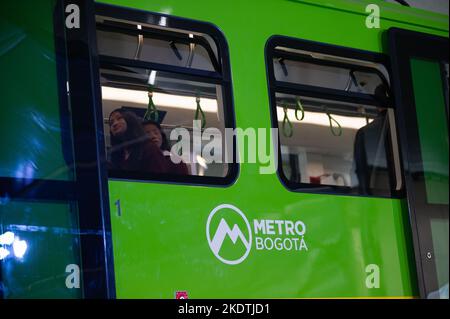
column 432, row 125
column 34, row 128
column 332, row 77
column 353, row 153
column 175, row 100
column 175, row 47
column 445, row 77
column 439, row 232
column 430, row 101
column 38, row 241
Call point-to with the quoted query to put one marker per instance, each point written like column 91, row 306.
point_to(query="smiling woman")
column 117, row 123
column 131, row 150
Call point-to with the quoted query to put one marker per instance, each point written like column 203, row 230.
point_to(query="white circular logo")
column 224, row 231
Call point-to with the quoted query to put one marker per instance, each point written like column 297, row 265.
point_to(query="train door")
column 169, row 79
column 420, row 70
column 55, row 204
column 53, row 216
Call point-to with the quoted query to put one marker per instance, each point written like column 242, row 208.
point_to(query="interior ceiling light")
column 321, row 119
column 160, row 99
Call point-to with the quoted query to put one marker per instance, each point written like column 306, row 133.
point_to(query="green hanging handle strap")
column 152, row 113
column 363, row 113
column 199, row 112
column 287, row 125
column 179, row 150
column 299, row 107
column 336, row 131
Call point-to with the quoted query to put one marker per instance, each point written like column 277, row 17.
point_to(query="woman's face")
column 154, row 134
column 117, row 124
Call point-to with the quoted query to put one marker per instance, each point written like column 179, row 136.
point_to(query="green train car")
column 314, row 137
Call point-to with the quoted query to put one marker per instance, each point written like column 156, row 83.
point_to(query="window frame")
column 275, row 86
column 221, row 76
column 164, row 35
column 404, row 46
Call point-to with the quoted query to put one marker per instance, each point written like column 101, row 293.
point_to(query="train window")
column 335, row 117
column 155, row 44
column 299, row 68
column 170, row 77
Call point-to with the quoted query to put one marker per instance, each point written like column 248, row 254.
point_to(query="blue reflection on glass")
column 19, row 247
column 3, row 253
column 7, row 238
column 44, row 123
column 5, row 199
column 25, row 170
column 19, row 171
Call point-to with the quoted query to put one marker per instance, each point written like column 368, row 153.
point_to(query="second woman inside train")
column 157, row 137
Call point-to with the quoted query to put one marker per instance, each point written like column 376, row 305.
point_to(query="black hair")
column 165, row 143
column 382, row 94
column 132, row 139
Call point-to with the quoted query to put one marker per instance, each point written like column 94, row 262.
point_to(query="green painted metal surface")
column 160, row 242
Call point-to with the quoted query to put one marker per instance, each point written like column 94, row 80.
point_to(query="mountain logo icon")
column 227, row 222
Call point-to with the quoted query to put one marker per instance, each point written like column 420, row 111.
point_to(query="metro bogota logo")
column 230, row 235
